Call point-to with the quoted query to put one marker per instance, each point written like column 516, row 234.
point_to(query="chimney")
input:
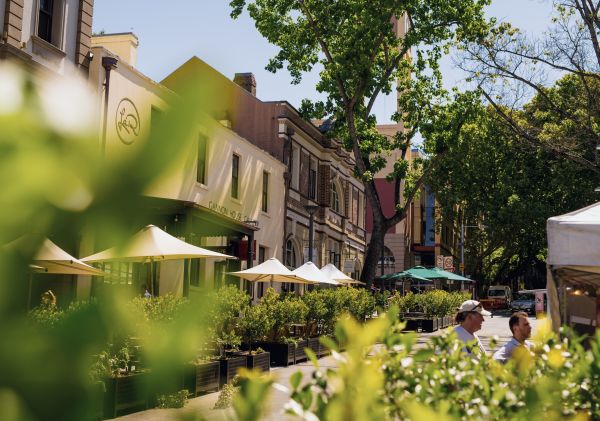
column 246, row 81
column 123, row 45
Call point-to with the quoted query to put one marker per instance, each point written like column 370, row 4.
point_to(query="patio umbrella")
column 311, row 272
column 51, row 259
column 337, row 275
column 451, row 276
column 272, row 270
column 152, row 244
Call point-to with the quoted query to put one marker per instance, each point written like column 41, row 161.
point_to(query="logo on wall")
column 127, row 121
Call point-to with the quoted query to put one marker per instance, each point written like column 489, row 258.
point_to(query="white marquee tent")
column 573, row 276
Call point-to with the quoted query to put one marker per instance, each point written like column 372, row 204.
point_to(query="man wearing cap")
column 521, row 330
column 470, row 318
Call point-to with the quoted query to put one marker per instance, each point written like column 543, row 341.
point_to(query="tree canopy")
column 362, row 48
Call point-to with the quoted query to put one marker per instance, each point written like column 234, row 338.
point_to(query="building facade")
column 47, row 36
column 221, row 192
column 318, row 172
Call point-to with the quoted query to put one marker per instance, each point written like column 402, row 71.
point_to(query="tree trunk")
column 374, row 249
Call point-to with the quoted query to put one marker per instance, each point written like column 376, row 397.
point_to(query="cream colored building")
column 221, row 192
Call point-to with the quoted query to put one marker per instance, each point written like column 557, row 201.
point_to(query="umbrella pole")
column 152, row 276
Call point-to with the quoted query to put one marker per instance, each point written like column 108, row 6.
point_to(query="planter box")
column 300, row 354
column 125, row 394
column 261, row 361
column 281, row 354
column 314, row 345
column 429, row 325
column 229, row 368
column 412, row 324
column 323, row 350
column 202, row 378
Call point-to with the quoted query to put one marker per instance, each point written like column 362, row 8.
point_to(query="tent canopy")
column 153, row 244
column 422, row 272
column 271, row 270
column 574, row 238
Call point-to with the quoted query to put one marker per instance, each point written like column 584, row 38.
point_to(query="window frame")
column 312, row 179
column 265, row 192
column 56, row 18
column 235, row 176
column 335, row 198
column 201, row 172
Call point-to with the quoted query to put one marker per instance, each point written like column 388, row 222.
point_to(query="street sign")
column 448, row 262
column 439, row 262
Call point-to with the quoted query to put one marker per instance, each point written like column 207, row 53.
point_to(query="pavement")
column 201, row 408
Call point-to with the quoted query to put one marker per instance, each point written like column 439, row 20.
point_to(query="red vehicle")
column 498, row 298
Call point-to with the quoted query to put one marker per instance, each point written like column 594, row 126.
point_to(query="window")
column 265, row 192
column 290, row 254
column 118, row 273
column 235, row 173
column 295, row 167
column 335, row 198
column 50, row 21
column 201, row 167
column 354, row 205
column 312, row 180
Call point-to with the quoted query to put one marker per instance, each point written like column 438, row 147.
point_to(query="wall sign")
column 127, row 121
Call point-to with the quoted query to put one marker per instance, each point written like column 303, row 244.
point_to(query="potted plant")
column 124, row 387
column 202, row 376
column 284, row 311
column 253, row 327
column 315, row 315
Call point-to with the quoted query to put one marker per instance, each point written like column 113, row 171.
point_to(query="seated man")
column 521, row 330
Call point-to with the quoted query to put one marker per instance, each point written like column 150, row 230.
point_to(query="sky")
column 169, row 36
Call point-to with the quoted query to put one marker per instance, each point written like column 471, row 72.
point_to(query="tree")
column 356, row 45
column 512, row 188
column 511, row 68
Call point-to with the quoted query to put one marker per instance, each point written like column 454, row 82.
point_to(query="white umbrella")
column 271, row 270
column 312, row 273
column 52, row 259
column 152, row 244
column 337, row 275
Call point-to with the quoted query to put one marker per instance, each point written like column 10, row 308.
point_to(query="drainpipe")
column 109, row 63
column 288, row 181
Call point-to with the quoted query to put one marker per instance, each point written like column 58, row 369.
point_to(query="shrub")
column 284, row 311
column 255, row 324
column 224, row 308
column 174, row 400
column 316, row 311
column 159, row 309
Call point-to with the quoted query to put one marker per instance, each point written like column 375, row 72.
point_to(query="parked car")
column 498, row 298
column 523, row 302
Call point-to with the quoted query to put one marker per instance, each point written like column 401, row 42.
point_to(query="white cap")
column 472, row 305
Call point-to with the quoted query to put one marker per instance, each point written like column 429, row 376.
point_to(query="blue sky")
column 169, row 36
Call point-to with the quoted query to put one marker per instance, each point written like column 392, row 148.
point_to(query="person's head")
column 519, row 326
column 470, row 315
column 48, row 298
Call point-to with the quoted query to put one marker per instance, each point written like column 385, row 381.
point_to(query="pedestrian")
column 470, row 318
column 521, row 330
column 145, row 292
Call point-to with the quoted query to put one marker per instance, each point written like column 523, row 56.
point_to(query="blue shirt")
column 504, row 353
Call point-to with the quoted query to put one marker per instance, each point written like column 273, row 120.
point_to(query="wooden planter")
column 300, row 354
column 125, row 394
column 429, row 325
column 281, row 354
column 314, row 345
column 261, row 361
column 229, row 367
column 202, row 378
column 323, row 350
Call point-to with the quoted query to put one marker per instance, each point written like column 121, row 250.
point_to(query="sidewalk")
column 201, row 407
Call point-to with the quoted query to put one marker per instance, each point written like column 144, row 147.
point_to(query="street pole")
column 311, row 209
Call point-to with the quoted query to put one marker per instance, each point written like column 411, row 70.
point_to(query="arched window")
column 335, row 198
column 290, row 254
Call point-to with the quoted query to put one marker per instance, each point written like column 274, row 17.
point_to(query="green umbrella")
column 451, row 276
column 422, row 272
